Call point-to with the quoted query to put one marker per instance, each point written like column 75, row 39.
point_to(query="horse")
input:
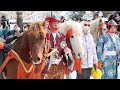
column 98, row 28
column 73, row 32
column 31, row 48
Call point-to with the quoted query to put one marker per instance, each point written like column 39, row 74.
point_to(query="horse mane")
column 34, row 36
column 75, row 26
column 94, row 25
column 37, row 29
column 21, row 47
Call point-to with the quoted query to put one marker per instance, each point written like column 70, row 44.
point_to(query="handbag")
column 96, row 74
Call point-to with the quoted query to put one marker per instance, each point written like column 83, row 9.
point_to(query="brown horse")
column 31, row 48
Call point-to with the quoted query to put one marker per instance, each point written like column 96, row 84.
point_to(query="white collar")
column 54, row 35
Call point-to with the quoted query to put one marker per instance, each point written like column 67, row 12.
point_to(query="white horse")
column 73, row 31
column 98, row 27
column 75, row 37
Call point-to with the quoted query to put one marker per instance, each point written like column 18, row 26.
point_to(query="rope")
column 13, row 41
column 19, row 59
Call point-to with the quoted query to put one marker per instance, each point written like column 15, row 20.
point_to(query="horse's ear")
column 45, row 24
column 100, row 20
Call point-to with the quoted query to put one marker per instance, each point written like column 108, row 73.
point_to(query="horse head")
column 37, row 42
column 73, row 32
column 98, row 28
column 102, row 25
column 32, row 44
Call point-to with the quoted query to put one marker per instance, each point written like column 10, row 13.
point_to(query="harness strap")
column 12, row 54
column 13, row 41
column 100, row 30
column 16, row 56
column 5, row 62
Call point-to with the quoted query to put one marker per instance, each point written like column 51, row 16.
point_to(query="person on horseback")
column 108, row 51
column 57, row 41
column 89, row 59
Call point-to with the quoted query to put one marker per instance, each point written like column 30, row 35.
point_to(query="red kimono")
column 56, row 70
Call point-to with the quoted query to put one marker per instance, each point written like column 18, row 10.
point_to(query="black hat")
column 117, row 13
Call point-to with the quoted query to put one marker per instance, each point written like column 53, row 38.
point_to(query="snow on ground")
column 74, row 75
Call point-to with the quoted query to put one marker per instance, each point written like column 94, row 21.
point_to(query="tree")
column 19, row 19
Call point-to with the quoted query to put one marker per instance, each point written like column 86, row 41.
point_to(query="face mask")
column 85, row 31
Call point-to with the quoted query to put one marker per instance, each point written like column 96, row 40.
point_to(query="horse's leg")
column 11, row 69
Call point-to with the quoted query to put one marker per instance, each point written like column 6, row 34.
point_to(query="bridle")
column 45, row 51
column 100, row 32
column 68, row 35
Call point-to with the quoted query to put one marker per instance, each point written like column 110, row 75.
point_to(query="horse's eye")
column 72, row 36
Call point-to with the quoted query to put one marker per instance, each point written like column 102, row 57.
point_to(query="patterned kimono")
column 56, row 71
column 108, row 52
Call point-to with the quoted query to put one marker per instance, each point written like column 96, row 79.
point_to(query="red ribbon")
column 69, row 33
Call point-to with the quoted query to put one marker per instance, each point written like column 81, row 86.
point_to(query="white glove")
column 56, row 61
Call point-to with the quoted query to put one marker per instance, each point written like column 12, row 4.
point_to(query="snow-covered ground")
column 74, row 75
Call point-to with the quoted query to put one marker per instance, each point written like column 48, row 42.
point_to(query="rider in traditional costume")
column 55, row 65
column 108, row 51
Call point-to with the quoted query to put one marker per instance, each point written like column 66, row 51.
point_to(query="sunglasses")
column 86, row 24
